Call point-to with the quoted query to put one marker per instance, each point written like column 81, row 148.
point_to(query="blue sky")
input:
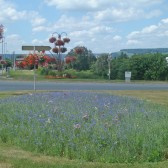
column 102, row 26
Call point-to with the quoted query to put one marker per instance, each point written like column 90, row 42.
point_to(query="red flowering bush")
column 45, row 60
column 78, row 50
column 31, row 60
column 34, row 59
column 70, row 59
column 3, row 62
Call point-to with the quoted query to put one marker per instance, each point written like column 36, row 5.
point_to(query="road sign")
column 41, row 48
column 28, row 48
column 127, row 76
column 37, row 48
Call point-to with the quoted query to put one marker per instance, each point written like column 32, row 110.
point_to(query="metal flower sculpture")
column 59, row 48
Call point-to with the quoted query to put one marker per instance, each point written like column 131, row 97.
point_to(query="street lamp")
column 59, row 48
column 2, row 41
column 109, row 64
column 2, row 37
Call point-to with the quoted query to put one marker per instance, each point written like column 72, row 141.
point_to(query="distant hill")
column 129, row 52
column 145, row 51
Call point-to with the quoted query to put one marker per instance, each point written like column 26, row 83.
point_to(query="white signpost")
column 167, row 59
column 36, row 48
column 127, row 76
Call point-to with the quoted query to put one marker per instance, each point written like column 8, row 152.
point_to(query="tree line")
column 151, row 66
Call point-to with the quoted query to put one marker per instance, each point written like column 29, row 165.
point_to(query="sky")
column 103, row 26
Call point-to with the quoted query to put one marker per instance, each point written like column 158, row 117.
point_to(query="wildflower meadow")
column 87, row 126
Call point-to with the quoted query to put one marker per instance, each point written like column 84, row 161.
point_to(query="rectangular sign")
column 127, row 74
column 28, row 48
column 37, row 48
column 41, row 48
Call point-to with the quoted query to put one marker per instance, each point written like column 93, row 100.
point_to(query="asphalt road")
column 10, row 85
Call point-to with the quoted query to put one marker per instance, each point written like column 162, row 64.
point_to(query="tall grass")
column 86, row 126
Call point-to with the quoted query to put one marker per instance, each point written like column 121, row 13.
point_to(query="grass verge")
column 15, row 157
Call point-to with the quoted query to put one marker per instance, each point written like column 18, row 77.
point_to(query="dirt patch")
column 5, row 165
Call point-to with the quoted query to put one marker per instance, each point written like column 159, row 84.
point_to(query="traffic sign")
column 41, row 48
column 28, row 48
column 37, row 48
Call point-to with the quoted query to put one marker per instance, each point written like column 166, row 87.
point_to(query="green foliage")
column 149, row 67
column 101, row 66
column 84, row 60
column 119, row 66
column 7, row 64
column 43, row 71
column 143, row 67
column 81, row 74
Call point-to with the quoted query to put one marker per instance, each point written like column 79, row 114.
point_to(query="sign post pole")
column 34, row 70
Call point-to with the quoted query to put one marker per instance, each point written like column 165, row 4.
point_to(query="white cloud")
column 14, row 41
column 40, row 29
column 164, row 21
column 117, row 38
column 150, row 36
column 99, row 4
column 133, row 42
column 149, row 29
column 9, row 12
column 77, row 4
column 133, row 34
column 101, row 29
column 36, row 20
column 111, row 10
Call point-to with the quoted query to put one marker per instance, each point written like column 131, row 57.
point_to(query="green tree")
column 84, row 60
column 138, row 65
column 101, row 66
column 158, row 68
column 149, row 67
column 119, row 66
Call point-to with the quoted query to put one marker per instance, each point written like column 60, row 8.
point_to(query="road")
column 10, row 85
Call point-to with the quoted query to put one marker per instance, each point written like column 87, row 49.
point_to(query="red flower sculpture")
column 55, row 50
column 66, row 40
column 63, row 49
column 52, row 39
column 59, row 43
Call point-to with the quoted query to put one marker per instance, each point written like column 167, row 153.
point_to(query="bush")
column 52, row 73
column 43, row 71
column 81, row 74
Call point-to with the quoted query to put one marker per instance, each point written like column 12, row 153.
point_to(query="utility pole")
column 109, row 65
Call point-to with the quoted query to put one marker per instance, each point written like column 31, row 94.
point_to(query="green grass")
column 28, row 75
column 16, row 157
column 154, row 96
